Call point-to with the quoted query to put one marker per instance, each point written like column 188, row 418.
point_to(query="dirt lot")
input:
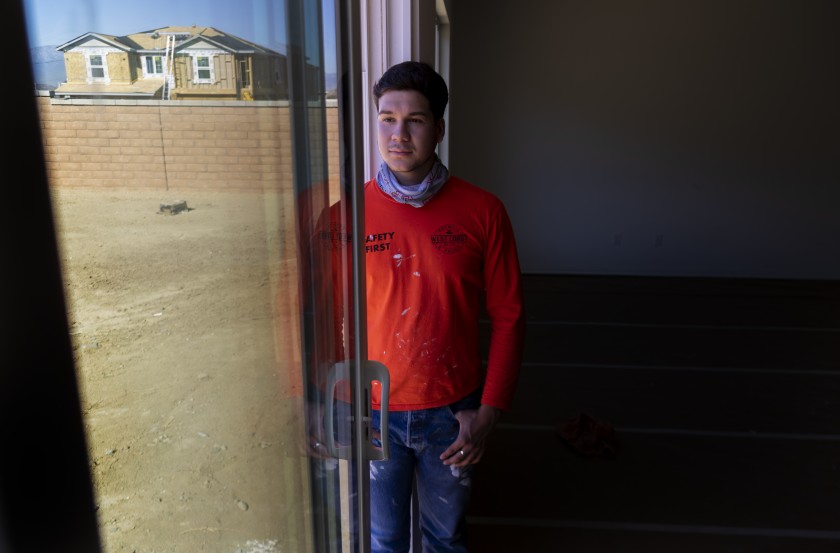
column 185, row 343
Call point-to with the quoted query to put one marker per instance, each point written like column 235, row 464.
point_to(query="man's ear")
column 440, row 130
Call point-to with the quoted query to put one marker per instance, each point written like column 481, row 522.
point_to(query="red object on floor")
column 589, row 436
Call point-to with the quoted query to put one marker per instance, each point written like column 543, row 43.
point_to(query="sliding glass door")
column 212, row 307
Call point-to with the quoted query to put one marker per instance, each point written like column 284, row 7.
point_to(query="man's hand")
column 311, row 442
column 476, row 426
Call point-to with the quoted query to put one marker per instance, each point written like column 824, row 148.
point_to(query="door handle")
column 372, row 371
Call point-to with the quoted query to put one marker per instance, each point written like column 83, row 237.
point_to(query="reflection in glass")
column 179, row 223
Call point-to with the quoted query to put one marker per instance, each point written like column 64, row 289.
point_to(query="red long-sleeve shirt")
column 428, row 270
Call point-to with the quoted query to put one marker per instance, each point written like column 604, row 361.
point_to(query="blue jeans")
column 416, row 440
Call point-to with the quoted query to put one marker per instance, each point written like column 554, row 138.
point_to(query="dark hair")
column 415, row 75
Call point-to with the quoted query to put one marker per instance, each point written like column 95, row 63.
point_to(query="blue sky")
column 54, row 22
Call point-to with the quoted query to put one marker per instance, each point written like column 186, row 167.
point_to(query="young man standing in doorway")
column 439, row 252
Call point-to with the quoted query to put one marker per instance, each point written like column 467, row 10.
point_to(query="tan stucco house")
column 177, row 63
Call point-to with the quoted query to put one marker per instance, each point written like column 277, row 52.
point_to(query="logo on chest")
column 449, row 238
column 379, row 242
column 335, row 236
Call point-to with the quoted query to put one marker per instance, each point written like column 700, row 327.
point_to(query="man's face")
column 407, row 134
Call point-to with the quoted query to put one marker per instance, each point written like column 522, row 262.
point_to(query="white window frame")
column 153, row 57
column 195, row 57
column 89, row 66
column 278, row 74
column 394, row 31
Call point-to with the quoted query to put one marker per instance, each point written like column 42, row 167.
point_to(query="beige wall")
column 173, row 145
column 75, row 67
column 119, row 69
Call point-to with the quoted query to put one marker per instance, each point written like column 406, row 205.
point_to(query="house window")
column 97, row 71
column 97, row 68
column 244, row 74
column 154, row 66
column 203, row 69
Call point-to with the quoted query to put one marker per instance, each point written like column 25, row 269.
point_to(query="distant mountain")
column 45, row 54
column 47, row 67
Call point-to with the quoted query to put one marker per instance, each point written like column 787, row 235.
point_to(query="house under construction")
column 177, row 63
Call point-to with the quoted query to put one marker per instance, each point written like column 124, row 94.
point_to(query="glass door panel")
column 202, row 305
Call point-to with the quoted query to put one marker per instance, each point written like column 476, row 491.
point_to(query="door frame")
column 46, row 492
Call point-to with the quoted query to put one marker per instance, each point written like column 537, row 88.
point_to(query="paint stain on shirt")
column 400, row 258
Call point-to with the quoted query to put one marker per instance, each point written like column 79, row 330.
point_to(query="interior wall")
column 693, row 138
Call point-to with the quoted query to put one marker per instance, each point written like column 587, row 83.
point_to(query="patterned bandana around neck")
column 418, row 194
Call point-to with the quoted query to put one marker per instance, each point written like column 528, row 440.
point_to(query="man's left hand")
column 476, row 426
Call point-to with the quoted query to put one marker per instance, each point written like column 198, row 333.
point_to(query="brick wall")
column 173, row 144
